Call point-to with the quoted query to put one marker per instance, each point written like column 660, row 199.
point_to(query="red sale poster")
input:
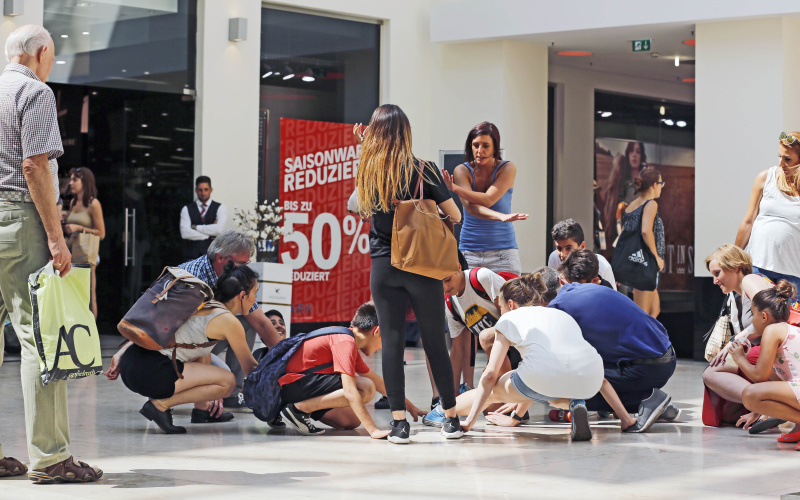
column 326, row 246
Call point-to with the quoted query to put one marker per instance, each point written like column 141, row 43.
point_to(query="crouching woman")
column 153, row 375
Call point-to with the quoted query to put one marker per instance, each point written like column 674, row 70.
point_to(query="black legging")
column 392, row 289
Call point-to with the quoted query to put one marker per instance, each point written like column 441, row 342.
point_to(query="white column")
column 226, row 121
column 503, row 82
column 746, row 94
column 33, row 14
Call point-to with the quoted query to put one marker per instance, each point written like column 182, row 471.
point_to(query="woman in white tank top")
column 770, row 231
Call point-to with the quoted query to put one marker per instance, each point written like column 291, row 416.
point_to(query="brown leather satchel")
column 162, row 309
column 422, row 243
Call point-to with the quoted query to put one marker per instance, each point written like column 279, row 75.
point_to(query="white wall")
column 747, row 76
column 574, row 141
column 226, row 120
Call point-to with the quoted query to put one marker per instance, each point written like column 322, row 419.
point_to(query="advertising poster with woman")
column 617, row 163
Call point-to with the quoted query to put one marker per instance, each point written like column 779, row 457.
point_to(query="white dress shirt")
column 205, row 231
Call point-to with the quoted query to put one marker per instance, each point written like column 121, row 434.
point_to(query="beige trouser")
column 23, row 250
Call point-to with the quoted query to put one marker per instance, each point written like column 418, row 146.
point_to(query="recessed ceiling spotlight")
column 677, row 61
column 146, row 72
column 574, row 53
column 308, row 78
column 287, row 77
column 61, row 62
column 144, row 125
column 669, row 122
column 64, row 36
column 85, row 33
column 605, row 114
column 268, row 73
column 662, row 111
column 680, row 123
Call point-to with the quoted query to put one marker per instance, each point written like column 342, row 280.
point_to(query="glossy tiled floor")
column 244, row 459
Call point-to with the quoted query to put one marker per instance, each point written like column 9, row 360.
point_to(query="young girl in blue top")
column 485, row 184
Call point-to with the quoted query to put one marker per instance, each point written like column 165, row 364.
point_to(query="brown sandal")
column 66, row 471
column 10, row 466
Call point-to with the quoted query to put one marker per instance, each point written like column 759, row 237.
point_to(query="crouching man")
column 327, row 380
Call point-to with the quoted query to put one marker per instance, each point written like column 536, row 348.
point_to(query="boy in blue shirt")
column 637, row 354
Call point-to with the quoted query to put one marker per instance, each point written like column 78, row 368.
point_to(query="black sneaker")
column 163, row 419
column 400, row 432
column 299, row 421
column 235, row 402
column 382, row 404
column 580, row 430
column 649, row 410
column 451, row 429
column 277, row 423
column 204, row 417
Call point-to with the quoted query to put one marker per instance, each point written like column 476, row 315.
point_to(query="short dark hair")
column 366, row 317
column 568, row 230
column 483, row 128
column 202, row 179
column 273, row 312
column 580, row 266
column 550, row 278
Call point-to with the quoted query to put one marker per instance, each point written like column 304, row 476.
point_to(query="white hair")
column 28, row 39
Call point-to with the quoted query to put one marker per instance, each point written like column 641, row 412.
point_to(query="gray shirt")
column 29, row 121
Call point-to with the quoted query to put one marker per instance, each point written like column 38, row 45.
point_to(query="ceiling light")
column 677, row 61
column 61, row 62
column 85, row 33
column 574, row 53
column 605, row 114
column 64, row 36
column 308, row 78
column 150, row 184
column 290, row 75
column 144, row 125
column 669, row 122
column 662, row 110
column 164, row 114
column 268, row 73
column 680, row 123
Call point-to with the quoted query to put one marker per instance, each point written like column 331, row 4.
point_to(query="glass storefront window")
column 312, row 68
column 126, row 44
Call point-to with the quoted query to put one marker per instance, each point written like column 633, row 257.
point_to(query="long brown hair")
column 787, row 185
column 526, row 290
column 387, row 162
column 89, row 187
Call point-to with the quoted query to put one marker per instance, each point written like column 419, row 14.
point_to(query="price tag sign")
column 326, row 246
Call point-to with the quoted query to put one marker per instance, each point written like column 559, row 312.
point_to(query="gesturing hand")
column 514, row 217
column 448, row 179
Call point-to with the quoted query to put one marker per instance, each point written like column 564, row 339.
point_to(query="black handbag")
column 633, row 263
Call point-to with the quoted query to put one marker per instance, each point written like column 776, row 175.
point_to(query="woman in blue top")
column 485, row 183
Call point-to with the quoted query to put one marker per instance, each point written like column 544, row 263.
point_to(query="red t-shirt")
column 338, row 349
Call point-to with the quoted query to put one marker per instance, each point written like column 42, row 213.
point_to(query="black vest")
column 193, row 249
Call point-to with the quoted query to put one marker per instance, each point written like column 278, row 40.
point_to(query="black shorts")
column 149, row 373
column 310, row 386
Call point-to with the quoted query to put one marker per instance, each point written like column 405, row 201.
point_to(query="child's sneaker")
column 400, row 432
column 435, row 418
column 559, row 416
column 580, row 421
column 300, row 421
column 451, row 429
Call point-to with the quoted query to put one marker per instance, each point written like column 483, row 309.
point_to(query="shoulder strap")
column 418, row 189
column 471, row 172
column 450, row 302
column 476, row 285
column 497, row 169
column 330, row 330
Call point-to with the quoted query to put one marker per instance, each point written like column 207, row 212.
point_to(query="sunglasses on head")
column 787, row 138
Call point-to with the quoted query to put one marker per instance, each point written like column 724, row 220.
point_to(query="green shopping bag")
column 63, row 326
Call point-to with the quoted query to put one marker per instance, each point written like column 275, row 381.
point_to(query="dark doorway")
column 140, row 146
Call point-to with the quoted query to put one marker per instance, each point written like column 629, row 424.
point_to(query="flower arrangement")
column 262, row 223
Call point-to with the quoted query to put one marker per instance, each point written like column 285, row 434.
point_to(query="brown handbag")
column 421, row 241
column 174, row 297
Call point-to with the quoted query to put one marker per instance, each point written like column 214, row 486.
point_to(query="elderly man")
column 30, row 234
column 236, row 246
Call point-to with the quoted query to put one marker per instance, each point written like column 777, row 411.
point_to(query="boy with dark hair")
column 336, row 394
column 276, row 318
column 568, row 237
column 582, row 266
column 638, row 357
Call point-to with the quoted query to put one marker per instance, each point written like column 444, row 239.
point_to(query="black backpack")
column 262, row 392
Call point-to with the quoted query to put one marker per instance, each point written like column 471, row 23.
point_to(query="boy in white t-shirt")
column 568, row 236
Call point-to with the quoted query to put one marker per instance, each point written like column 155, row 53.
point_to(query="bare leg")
column 655, row 306
column 611, row 397
column 468, row 370
column 201, row 383
column 724, row 380
column 643, row 299
column 776, row 399
column 487, row 341
column 342, row 415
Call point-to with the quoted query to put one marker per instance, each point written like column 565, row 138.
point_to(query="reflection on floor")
column 245, row 459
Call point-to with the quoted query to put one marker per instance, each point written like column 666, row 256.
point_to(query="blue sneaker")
column 580, row 421
column 435, row 418
column 464, row 388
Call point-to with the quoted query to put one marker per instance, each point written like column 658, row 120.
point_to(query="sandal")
column 10, row 466
column 66, row 471
column 793, row 437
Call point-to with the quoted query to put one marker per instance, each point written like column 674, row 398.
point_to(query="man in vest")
column 201, row 221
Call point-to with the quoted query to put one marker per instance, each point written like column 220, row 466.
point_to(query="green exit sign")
column 642, row 45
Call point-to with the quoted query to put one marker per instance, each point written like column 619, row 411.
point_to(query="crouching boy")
column 327, row 380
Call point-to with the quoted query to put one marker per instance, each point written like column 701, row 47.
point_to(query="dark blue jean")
column 778, row 276
column 633, row 384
